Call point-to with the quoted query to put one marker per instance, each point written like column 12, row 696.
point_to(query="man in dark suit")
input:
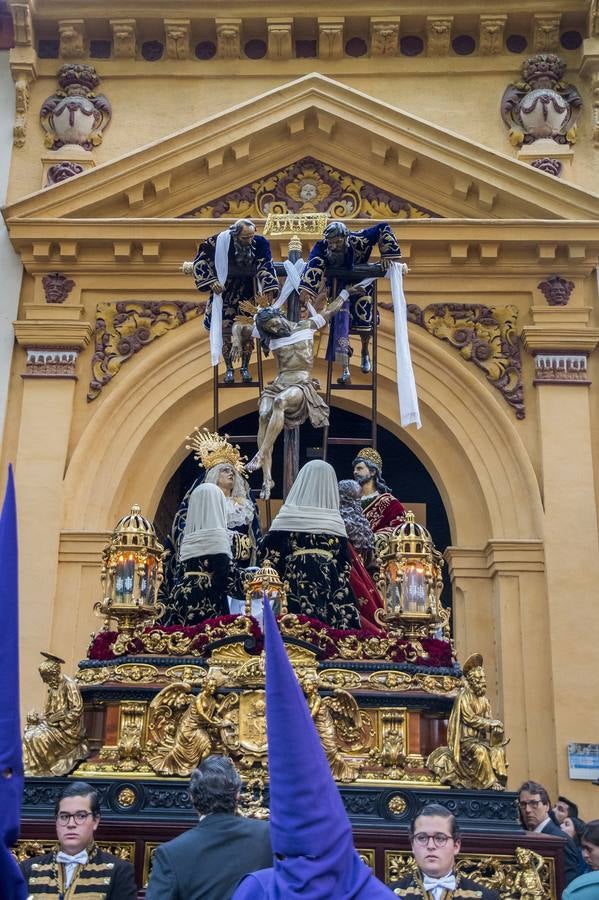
column 535, row 805
column 435, row 839
column 77, row 867
column 207, row 862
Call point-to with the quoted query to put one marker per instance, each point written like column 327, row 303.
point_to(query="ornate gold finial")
column 295, row 244
column 211, row 448
column 370, row 454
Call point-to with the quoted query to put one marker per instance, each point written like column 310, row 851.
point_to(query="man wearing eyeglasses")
column 77, row 867
column 534, row 805
column 435, row 839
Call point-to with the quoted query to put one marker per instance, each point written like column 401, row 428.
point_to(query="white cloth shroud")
column 221, row 265
column 409, row 413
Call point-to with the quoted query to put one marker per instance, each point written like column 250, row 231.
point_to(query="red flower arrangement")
column 355, row 644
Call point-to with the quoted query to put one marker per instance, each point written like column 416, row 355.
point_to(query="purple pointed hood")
column 311, row 836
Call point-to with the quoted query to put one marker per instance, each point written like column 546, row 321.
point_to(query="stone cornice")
column 559, row 338
column 429, row 245
column 235, row 146
column 503, row 557
column 51, row 334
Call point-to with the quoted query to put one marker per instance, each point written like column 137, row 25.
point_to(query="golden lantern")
column 264, row 586
column 410, row 581
column 131, row 575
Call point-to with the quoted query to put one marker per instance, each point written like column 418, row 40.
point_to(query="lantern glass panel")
column 148, row 578
column 124, row 578
column 414, row 588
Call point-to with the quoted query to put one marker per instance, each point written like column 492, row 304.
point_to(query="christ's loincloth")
column 313, row 406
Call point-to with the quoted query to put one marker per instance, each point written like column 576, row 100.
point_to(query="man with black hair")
column 380, row 507
column 535, row 806
column 206, row 862
column 435, row 838
column 77, row 867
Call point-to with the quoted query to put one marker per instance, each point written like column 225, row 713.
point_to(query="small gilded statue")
column 179, row 727
column 54, row 741
column 335, row 718
column 528, row 877
column 475, row 755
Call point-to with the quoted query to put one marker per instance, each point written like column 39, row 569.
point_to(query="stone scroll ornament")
column 484, row 335
column 126, row 327
column 75, row 114
column 541, row 105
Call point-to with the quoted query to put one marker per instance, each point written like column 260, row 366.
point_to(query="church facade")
column 140, row 130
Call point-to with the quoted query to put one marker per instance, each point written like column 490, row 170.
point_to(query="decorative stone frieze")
column 124, row 38
column 438, row 31
column 228, row 38
column 546, row 32
column 73, row 44
column 75, row 114
column 330, row 37
column 548, row 164
column 384, row 36
column 177, row 33
column 280, row 38
column 561, row 368
column 556, row 290
column 491, row 34
column 52, row 362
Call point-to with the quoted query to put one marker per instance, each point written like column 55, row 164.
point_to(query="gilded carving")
column 340, row 678
column 392, row 755
column 125, row 327
column 25, row 849
column 491, row 34
column 384, row 36
column 522, row 876
column 438, row 32
column 280, row 38
column 124, row 40
column 403, row 681
column 546, row 32
column 131, row 731
column 182, row 727
column 194, row 675
column 340, row 723
column 228, row 38
column 310, row 186
column 177, row 33
column 55, row 740
column 475, row 756
column 330, row 38
column 72, row 38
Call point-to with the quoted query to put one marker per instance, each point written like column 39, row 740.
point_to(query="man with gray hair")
column 237, row 247
column 206, row 862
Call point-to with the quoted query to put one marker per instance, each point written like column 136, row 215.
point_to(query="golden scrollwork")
column 136, row 672
column 393, row 741
column 340, row 678
column 25, row 849
column 367, row 857
column 393, row 680
column 396, row 805
column 192, row 674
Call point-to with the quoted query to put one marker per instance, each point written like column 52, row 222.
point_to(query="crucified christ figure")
column 291, row 398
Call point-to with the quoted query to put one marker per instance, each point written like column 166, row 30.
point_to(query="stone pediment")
column 344, row 129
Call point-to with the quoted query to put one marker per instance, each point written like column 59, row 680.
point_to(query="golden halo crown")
column 475, row 661
column 371, row 455
column 211, row 448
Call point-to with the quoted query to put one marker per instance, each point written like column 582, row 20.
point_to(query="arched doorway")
column 405, row 474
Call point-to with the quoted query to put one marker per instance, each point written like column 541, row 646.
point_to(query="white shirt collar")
column 540, row 827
